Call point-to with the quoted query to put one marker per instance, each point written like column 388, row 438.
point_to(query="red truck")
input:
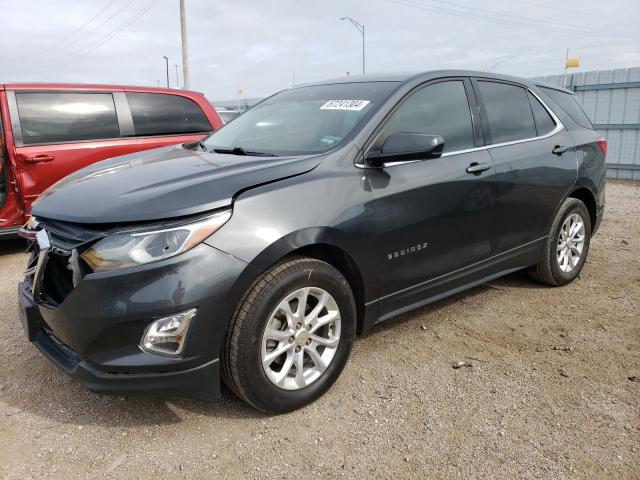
column 49, row 130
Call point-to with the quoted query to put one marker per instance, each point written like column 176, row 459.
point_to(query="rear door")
column 531, row 180
column 58, row 132
column 162, row 119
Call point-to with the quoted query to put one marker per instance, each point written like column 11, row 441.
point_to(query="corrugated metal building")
column 611, row 98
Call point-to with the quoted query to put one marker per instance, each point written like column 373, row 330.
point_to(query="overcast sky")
column 256, row 45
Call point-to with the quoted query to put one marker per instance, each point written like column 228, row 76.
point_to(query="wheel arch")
column 328, row 245
column 345, row 264
column 586, row 196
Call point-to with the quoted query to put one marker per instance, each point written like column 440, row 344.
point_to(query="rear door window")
column 437, row 109
column 544, row 122
column 569, row 103
column 59, row 117
column 160, row 114
column 507, row 112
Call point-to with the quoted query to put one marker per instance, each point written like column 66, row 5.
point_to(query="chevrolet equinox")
column 256, row 255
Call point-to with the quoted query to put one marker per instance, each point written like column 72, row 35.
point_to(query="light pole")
column 360, row 28
column 166, row 61
column 177, row 77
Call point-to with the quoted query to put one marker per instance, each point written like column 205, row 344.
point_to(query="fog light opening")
column 166, row 336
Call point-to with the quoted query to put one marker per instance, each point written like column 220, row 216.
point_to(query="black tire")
column 548, row 270
column 241, row 359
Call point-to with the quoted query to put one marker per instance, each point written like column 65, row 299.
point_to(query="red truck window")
column 158, row 114
column 66, row 117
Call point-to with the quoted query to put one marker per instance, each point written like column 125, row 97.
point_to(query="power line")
column 77, row 30
column 93, row 46
column 86, row 34
column 580, row 11
column 517, row 17
column 490, row 19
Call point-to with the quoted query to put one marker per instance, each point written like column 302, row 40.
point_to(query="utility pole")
column 185, row 53
column 166, row 61
column 565, row 68
column 360, row 28
column 294, row 77
column 177, row 77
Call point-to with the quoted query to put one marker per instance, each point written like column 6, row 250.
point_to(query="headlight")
column 129, row 249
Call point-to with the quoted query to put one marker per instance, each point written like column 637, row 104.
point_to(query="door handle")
column 559, row 150
column 477, row 168
column 35, row 158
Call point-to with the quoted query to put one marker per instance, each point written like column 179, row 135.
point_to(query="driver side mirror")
column 403, row 147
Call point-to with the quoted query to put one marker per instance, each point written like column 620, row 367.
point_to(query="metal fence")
column 611, row 98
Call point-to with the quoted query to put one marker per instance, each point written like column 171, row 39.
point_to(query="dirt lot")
column 550, row 393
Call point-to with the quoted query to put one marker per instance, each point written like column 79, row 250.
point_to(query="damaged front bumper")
column 92, row 329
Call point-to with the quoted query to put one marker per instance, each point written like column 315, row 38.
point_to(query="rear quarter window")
column 569, row 103
column 161, row 114
column 59, row 117
column 544, row 122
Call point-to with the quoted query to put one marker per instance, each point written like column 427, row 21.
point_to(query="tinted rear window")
column 544, row 122
column 66, row 117
column 508, row 112
column 569, row 103
column 159, row 114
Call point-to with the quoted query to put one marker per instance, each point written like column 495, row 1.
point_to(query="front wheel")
column 567, row 245
column 290, row 336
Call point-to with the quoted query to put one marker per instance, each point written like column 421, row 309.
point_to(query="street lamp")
column 166, row 60
column 360, row 28
column 177, row 77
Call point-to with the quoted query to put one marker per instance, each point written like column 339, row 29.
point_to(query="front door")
column 434, row 217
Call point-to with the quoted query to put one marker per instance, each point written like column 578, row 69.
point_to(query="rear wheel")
column 567, row 245
column 290, row 336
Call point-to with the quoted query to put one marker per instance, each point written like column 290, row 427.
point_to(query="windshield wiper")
column 242, row 151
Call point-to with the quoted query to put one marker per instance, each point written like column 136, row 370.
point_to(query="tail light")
column 602, row 143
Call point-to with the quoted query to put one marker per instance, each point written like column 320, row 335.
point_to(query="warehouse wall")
column 611, row 98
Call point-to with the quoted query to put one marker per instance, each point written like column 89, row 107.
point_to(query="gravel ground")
column 550, row 392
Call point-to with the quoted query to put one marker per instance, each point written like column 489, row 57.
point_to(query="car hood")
column 161, row 183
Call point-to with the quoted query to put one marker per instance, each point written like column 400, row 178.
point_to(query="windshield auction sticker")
column 353, row 105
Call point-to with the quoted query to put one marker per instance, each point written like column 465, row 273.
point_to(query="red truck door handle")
column 37, row 158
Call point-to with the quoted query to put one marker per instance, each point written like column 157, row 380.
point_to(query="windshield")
column 304, row 120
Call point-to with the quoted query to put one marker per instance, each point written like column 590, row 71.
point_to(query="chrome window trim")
column 559, row 127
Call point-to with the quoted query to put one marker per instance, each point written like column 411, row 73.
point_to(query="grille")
column 64, row 268
column 57, row 281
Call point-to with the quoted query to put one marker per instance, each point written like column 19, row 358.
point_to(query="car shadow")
column 516, row 280
column 12, row 246
column 69, row 403
column 64, row 401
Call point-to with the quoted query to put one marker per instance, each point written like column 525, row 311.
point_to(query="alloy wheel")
column 570, row 243
column 301, row 338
